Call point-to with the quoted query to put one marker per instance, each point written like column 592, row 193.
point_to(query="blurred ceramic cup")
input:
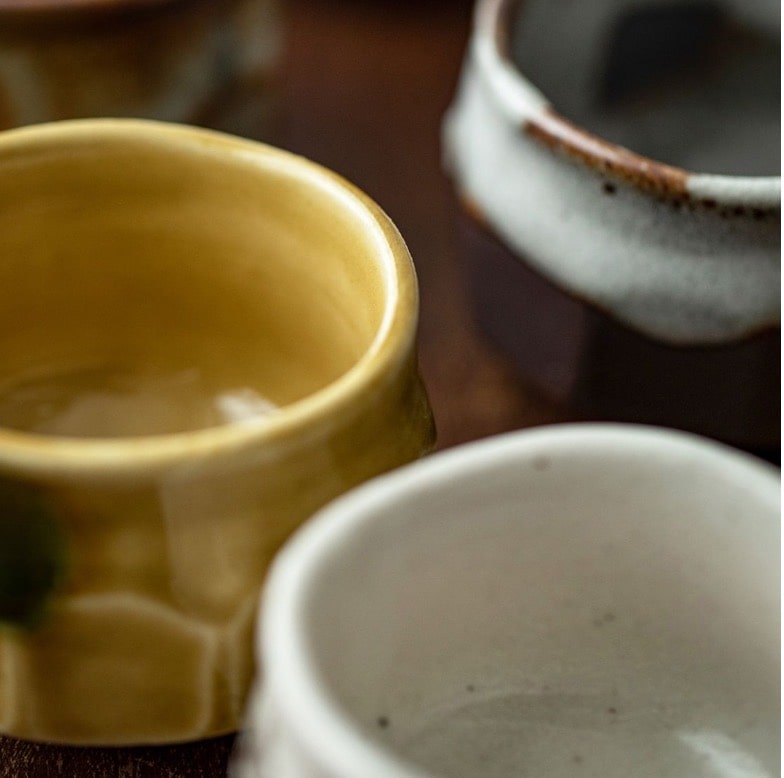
column 620, row 283
column 601, row 599
column 193, row 61
column 202, row 341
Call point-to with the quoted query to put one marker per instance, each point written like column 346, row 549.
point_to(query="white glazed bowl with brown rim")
column 683, row 267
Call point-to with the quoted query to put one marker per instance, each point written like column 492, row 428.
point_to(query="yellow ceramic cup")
column 130, row 565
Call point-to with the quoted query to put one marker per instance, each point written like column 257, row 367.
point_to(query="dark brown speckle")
column 541, row 463
column 565, row 137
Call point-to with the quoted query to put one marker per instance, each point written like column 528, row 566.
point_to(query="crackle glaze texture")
column 184, row 61
column 151, row 244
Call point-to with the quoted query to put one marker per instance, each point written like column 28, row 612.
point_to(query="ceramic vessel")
column 193, row 61
column 129, row 562
column 593, row 599
column 618, row 280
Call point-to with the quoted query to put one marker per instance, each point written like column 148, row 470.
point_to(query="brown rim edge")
column 551, row 129
column 561, row 135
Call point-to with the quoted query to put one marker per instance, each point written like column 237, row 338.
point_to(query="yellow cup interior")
column 163, row 251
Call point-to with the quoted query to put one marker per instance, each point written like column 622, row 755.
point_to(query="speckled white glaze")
column 593, row 597
column 686, row 258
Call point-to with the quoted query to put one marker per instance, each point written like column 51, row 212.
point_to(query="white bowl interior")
column 610, row 606
column 690, row 83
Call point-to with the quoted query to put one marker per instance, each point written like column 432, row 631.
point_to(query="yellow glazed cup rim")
column 41, row 455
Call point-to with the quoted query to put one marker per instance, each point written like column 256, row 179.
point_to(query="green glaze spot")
column 32, row 555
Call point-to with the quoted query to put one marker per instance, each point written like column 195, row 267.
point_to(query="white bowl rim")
column 282, row 653
column 524, row 105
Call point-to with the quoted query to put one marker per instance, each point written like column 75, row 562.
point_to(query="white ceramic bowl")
column 617, row 162
column 593, row 597
column 686, row 256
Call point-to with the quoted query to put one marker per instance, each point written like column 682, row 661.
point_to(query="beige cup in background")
column 594, row 600
column 193, row 61
column 217, row 272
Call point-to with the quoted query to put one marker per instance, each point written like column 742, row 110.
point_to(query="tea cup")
column 598, row 599
column 618, row 164
column 202, row 340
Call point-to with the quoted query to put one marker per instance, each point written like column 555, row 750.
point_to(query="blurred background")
column 364, row 88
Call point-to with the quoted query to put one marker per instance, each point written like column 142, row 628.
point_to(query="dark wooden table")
column 363, row 89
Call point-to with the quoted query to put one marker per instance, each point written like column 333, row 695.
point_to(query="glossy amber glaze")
column 139, row 241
